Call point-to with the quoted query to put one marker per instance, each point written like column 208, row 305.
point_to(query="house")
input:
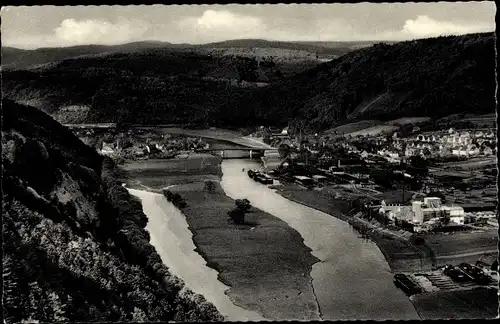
column 456, row 214
column 409, row 151
column 320, row 178
column 473, row 150
column 463, row 151
column 107, row 149
column 485, row 150
column 139, row 153
column 304, row 180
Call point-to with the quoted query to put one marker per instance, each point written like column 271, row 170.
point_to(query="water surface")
column 173, row 241
column 353, row 280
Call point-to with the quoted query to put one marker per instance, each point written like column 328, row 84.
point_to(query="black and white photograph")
column 249, row 162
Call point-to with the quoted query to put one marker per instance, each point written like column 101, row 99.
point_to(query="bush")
column 209, row 186
column 175, row 198
column 243, row 204
column 237, row 216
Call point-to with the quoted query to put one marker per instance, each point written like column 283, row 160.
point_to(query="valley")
column 248, row 179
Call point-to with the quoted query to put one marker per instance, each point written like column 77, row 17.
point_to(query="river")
column 173, row 241
column 353, row 281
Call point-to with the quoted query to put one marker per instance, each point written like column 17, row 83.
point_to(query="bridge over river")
column 240, row 153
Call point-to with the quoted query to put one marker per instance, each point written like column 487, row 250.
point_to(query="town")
column 423, row 187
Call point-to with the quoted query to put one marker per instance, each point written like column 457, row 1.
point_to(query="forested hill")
column 14, row 58
column 430, row 77
column 74, row 243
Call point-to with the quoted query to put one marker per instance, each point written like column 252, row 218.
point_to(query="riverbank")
column 399, row 253
column 172, row 239
column 265, row 261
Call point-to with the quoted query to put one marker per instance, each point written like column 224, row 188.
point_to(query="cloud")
column 424, row 26
column 74, row 32
column 216, row 25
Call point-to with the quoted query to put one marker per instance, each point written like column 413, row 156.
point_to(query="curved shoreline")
column 355, row 274
column 177, row 250
column 269, row 273
column 372, row 235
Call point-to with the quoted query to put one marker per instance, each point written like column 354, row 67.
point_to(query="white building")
column 431, row 208
column 456, row 214
column 107, row 149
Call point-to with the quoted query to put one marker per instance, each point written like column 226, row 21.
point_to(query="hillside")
column 429, row 78
column 75, row 247
column 424, row 78
column 14, row 58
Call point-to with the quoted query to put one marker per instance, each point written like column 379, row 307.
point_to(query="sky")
column 57, row 26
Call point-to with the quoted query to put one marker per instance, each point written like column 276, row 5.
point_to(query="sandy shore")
column 173, row 240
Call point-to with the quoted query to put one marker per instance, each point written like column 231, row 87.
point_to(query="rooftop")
column 302, row 178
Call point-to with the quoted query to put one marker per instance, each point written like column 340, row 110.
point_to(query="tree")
column 209, row 186
column 494, row 266
column 243, row 204
column 238, row 214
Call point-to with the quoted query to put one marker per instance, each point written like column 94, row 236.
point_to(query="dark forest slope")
column 153, row 86
column 430, row 77
column 74, row 243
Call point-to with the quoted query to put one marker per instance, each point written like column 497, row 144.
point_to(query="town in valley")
column 213, row 163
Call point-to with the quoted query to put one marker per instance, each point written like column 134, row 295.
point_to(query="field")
column 471, row 163
column 157, row 174
column 375, row 130
column 263, row 260
column 373, row 127
column 462, row 245
column 354, row 127
column 480, row 121
column 408, row 120
column 467, row 304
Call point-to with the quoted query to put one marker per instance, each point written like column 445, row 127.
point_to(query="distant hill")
column 336, row 49
column 224, row 87
column 74, row 244
column 13, row 58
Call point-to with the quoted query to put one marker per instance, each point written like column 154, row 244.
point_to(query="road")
column 465, row 254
